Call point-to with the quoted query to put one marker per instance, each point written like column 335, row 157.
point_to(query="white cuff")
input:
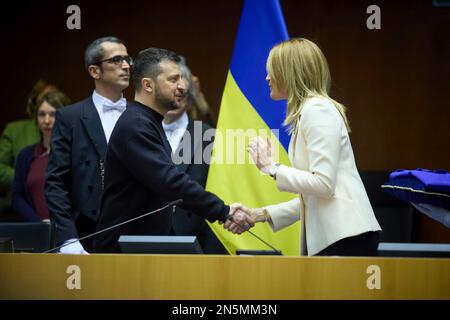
column 72, row 246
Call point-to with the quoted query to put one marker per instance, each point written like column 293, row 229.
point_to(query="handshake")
column 241, row 218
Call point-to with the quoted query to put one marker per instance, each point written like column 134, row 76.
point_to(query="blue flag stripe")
column 261, row 27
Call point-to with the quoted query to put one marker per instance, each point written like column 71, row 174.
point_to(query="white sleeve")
column 322, row 132
column 284, row 214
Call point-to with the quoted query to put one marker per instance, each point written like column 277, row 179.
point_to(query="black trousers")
column 364, row 245
column 86, row 226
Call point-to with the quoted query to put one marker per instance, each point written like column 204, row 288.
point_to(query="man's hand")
column 240, row 219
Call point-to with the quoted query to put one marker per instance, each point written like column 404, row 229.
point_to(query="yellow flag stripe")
column 241, row 181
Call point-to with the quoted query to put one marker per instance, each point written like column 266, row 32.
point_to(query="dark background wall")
column 394, row 81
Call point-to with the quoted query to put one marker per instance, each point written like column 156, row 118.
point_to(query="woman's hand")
column 262, row 153
column 259, row 215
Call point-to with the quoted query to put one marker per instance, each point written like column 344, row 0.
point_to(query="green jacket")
column 16, row 136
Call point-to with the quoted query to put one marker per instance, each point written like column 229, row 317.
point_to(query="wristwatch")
column 273, row 170
column 266, row 215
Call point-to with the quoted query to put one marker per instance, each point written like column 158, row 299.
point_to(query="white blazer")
column 332, row 202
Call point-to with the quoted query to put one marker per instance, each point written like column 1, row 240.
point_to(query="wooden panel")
column 40, row 276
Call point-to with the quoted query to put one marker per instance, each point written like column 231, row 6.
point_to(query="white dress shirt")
column 175, row 130
column 108, row 111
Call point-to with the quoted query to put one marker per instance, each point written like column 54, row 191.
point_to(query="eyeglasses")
column 118, row 60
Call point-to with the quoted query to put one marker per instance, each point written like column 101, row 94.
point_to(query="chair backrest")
column 394, row 216
column 28, row 236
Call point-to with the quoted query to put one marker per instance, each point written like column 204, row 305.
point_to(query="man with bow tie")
column 75, row 171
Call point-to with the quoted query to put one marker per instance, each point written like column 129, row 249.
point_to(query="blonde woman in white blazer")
column 336, row 215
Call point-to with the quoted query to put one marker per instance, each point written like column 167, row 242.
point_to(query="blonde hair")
column 299, row 67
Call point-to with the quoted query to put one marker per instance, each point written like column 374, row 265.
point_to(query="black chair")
column 33, row 237
column 394, row 216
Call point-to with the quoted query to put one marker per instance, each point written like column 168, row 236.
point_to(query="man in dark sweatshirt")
column 139, row 173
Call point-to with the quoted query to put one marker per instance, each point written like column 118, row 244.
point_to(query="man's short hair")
column 147, row 64
column 94, row 51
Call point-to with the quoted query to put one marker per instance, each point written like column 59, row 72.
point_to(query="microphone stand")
column 173, row 203
column 278, row 252
column 265, row 242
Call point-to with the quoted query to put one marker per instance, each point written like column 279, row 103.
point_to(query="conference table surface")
column 205, row 277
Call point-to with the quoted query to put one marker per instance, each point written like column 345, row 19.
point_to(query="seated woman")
column 28, row 197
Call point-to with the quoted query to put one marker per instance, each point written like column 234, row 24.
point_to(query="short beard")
column 164, row 102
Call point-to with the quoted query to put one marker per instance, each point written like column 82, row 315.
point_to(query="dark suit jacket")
column 73, row 179
column 197, row 167
column 140, row 177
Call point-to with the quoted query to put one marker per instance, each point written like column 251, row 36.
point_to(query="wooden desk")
column 44, row 276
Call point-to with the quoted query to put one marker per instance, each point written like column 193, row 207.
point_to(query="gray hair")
column 186, row 73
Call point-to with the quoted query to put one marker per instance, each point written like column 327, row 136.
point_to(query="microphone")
column 173, row 203
column 274, row 250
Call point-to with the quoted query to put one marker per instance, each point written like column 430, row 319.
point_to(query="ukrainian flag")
column 247, row 110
